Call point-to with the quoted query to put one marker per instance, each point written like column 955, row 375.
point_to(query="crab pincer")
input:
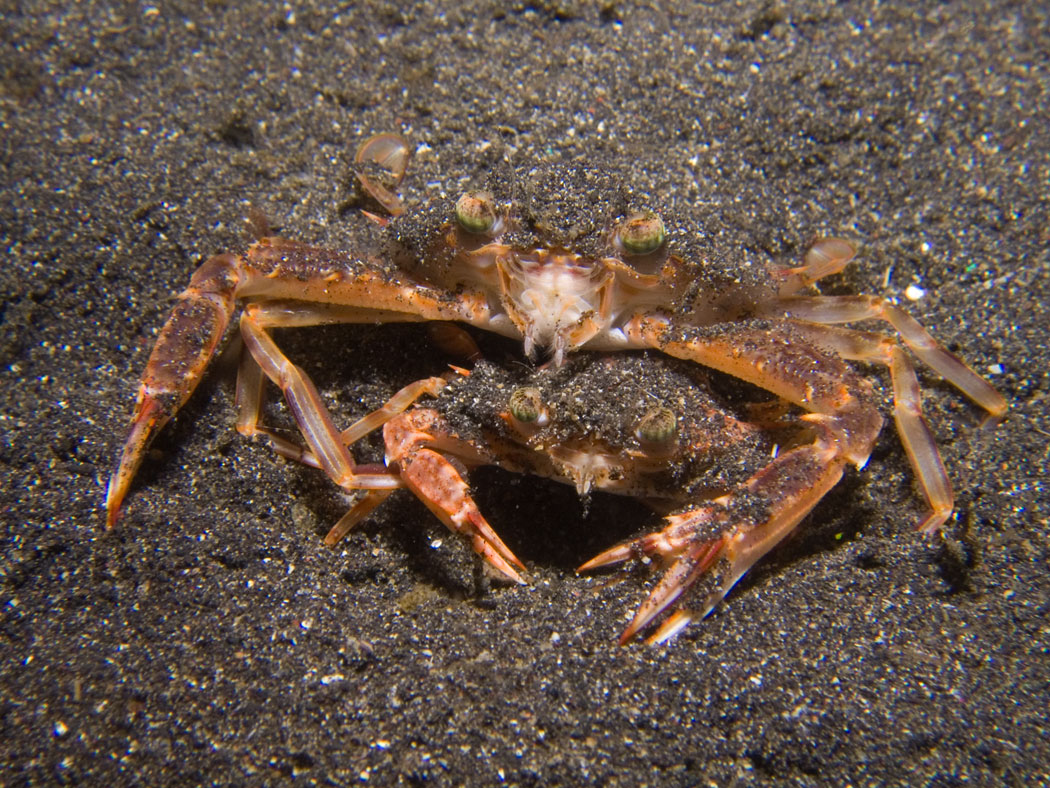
column 721, row 539
column 436, row 482
column 178, row 360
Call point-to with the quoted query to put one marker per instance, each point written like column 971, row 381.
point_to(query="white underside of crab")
column 590, row 467
column 553, row 298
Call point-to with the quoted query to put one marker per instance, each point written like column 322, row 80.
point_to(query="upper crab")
column 567, row 253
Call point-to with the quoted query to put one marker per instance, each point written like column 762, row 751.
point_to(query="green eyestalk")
column 642, row 233
column 476, row 212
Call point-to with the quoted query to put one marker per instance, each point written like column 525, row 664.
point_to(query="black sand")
column 211, row 638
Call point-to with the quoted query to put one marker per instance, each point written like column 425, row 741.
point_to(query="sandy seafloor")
column 212, row 639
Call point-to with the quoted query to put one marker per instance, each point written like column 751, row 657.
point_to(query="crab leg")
column 915, row 433
column 249, row 401
column 731, row 532
column 310, row 414
column 848, row 309
column 373, row 497
column 182, row 352
column 397, row 404
column 775, row 359
column 249, row 394
column 367, row 504
column 826, row 257
column 437, row 483
column 821, row 382
column 340, row 287
column 829, row 256
column 409, row 439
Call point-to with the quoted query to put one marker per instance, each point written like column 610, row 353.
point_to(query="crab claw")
column 682, row 540
column 726, row 536
column 436, row 482
column 689, row 567
column 176, row 365
column 671, row 541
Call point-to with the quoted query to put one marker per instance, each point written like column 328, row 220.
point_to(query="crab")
column 640, row 425
column 565, row 258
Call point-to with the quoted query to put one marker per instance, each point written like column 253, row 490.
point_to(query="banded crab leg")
column 852, row 309
column 829, row 256
column 372, row 498
column 776, row 358
column 340, row 286
column 728, row 535
column 813, row 321
column 310, row 413
column 822, row 312
column 816, row 318
column 915, row 433
column 182, row 352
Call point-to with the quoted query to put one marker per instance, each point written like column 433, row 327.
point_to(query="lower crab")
column 640, row 425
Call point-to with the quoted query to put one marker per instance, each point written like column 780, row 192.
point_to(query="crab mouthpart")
column 588, row 466
column 557, row 299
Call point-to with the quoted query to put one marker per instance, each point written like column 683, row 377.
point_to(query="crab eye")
column 642, row 233
column 658, row 425
column 476, row 212
column 526, row 405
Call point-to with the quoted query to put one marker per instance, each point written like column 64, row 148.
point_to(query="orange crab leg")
column 787, row 362
column 916, row 436
column 411, row 439
column 775, row 359
column 367, row 504
column 305, row 403
column 752, row 520
column 829, row 256
column 398, row 403
column 249, row 406
column 849, row 309
column 826, row 257
column 317, row 285
column 184, row 347
column 437, row 483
